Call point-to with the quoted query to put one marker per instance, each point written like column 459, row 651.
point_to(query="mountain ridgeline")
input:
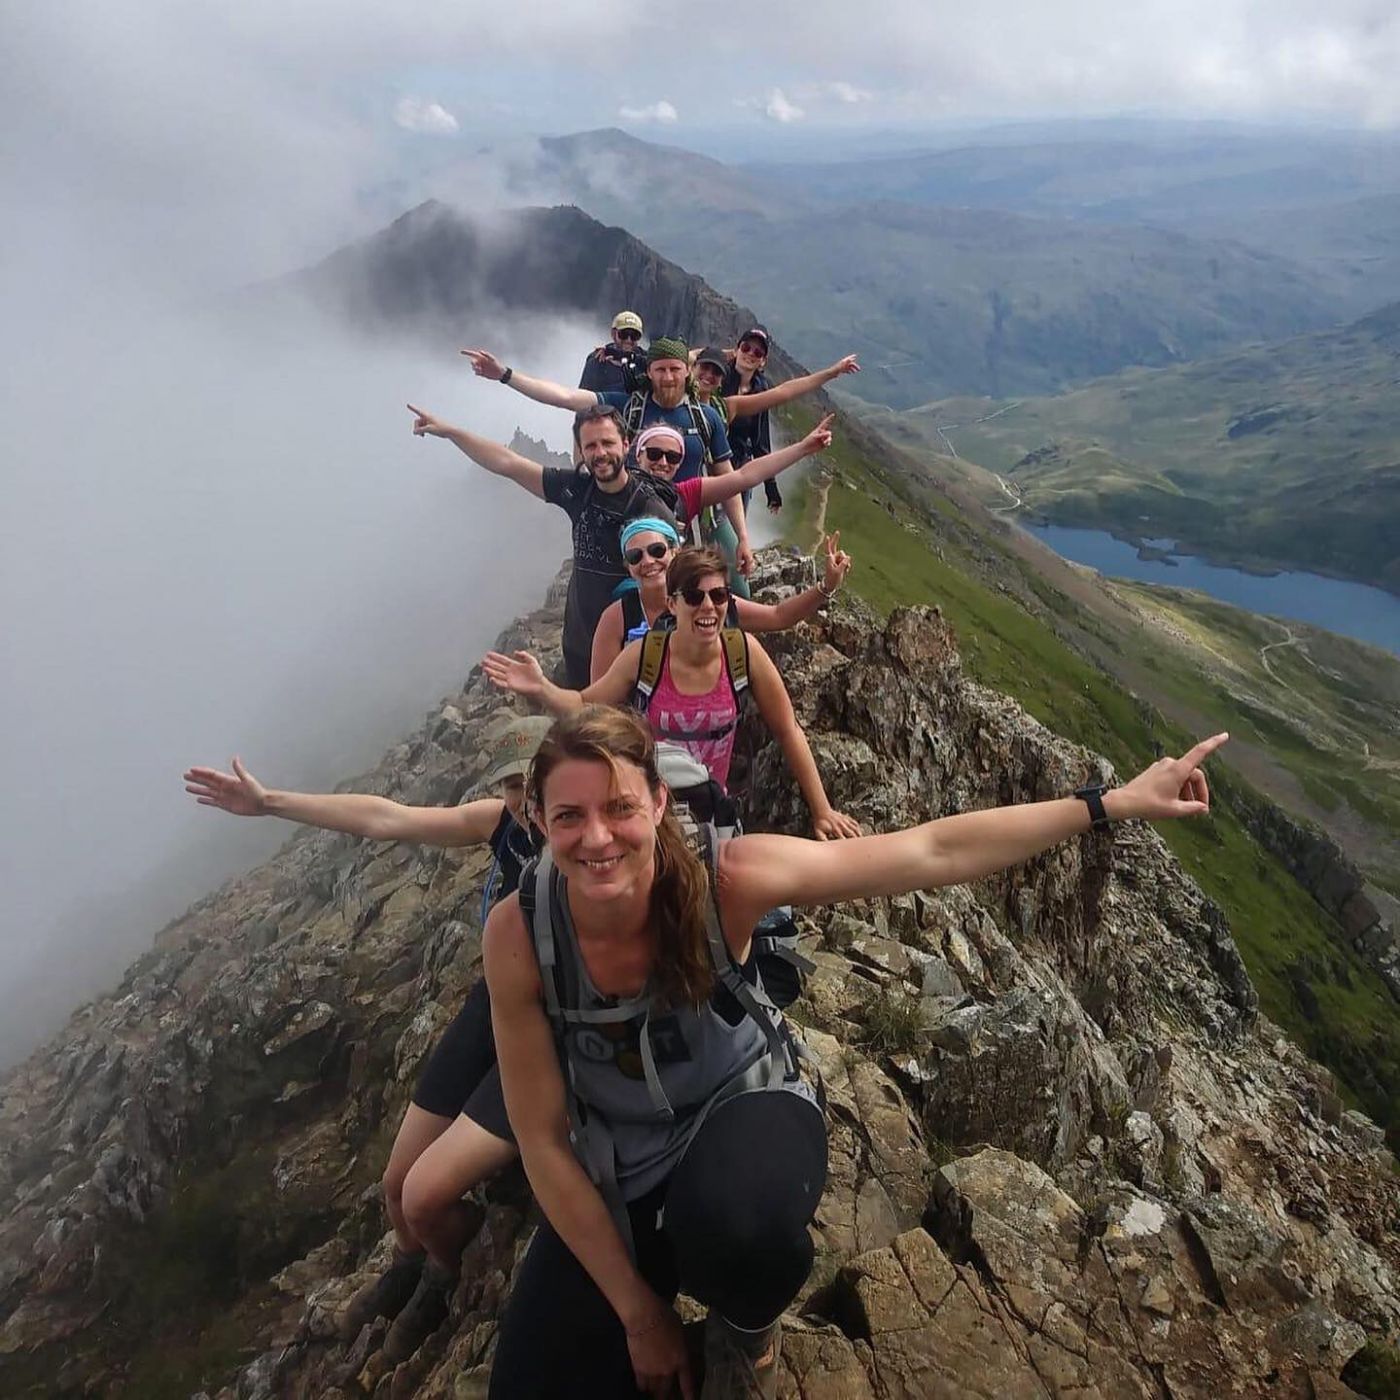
column 1071, row 1151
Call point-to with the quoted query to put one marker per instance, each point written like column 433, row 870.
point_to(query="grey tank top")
column 646, row 1077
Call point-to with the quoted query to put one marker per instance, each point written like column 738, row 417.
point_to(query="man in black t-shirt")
column 597, row 497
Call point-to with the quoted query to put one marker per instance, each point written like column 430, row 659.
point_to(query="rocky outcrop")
column 436, row 268
column 1068, row 1157
column 1324, row 870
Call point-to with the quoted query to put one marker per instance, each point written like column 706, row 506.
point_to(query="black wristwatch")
column 506, row 374
column 1092, row 797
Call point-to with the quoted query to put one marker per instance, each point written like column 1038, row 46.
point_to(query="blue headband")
column 648, row 525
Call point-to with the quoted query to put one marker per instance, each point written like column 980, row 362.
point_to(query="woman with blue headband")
column 648, row 546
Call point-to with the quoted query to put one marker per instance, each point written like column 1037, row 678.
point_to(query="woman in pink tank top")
column 694, row 701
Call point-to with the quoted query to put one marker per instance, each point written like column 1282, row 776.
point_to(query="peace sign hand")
column 1171, row 787
column 836, row 563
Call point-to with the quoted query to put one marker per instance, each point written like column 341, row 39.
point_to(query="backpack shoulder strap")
column 736, row 659
column 701, row 422
column 649, row 667
column 632, row 414
column 633, row 613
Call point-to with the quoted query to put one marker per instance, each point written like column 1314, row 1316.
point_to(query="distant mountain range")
column 939, row 291
column 1285, row 454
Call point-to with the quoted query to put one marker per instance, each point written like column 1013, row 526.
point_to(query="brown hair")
column 691, row 564
column 680, row 893
column 599, row 413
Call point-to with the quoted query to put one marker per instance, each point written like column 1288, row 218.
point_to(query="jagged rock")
column 1139, row 1187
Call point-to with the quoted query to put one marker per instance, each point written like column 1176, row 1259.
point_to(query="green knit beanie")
column 668, row 348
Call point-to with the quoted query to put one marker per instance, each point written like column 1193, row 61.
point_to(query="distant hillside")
column 1285, row 454
column 436, row 268
column 938, row 300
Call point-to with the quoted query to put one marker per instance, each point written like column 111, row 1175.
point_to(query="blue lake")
column 1368, row 614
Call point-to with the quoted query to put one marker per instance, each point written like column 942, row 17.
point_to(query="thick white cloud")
column 777, row 107
column 431, row 118
column 848, row 93
column 662, row 112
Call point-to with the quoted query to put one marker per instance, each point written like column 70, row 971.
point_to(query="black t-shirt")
column 514, row 847
column 597, row 516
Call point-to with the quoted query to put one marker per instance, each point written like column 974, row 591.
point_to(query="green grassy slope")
column 1285, row 454
column 912, row 545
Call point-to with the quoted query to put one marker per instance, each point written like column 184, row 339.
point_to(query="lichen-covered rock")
column 1067, row 1158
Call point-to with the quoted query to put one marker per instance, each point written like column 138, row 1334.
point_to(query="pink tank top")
column 704, row 725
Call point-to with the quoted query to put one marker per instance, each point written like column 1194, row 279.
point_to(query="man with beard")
column 668, row 399
column 598, row 498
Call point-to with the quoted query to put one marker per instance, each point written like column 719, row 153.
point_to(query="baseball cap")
column 510, row 748
column 757, row 333
column 710, row 356
column 627, row 321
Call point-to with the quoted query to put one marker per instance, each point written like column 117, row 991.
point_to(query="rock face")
column 1068, row 1158
column 435, row 268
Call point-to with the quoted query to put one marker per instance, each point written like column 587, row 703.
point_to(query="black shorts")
column 461, row 1075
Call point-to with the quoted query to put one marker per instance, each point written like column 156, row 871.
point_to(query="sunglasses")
column 627, row 335
column 659, row 454
column 658, row 550
column 695, row 596
column 755, row 348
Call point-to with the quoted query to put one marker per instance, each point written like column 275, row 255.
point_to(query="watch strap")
column 1092, row 797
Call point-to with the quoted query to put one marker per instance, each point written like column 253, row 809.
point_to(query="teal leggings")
column 727, row 542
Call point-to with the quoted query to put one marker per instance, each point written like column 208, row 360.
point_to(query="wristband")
column 1092, row 797
column 505, row 378
column 821, row 588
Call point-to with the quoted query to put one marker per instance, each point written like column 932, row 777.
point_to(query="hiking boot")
column 423, row 1314
column 740, row 1365
column 383, row 1296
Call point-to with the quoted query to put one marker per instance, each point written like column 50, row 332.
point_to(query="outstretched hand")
column 819, row 439
column 1171, row 787
column 832, row 825
column 520, row 673
column 850, row 364
column 836, row 563
column 743, row 558
column 485, row 364
column 238, row 792
column 425, row 424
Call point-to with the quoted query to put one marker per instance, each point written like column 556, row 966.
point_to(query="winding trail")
column 1016, row 501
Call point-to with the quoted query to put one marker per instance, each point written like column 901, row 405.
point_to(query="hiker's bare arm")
column 607, row 642
column 523, row 674
column 535, row 1102
column 765, row 617
column 541, row 390
column 743, row 405
column 358, row 814
column 498, row 459
column 760, row 872
column 733, row 507
column 714, row 489
column 775, row 706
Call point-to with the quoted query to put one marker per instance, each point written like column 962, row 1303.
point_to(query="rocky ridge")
column 1068, row 1157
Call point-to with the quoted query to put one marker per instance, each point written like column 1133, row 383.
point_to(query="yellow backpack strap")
column 649, row 667
column 736, row 659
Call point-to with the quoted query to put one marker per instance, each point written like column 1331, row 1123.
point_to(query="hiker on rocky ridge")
column 661, row 450
column 454, row 1133
column 700, row 672
column 670, row 399
column 619, row 366
column 597, row 497
column 648, row 546
column 641, row 1068
column 742, row 374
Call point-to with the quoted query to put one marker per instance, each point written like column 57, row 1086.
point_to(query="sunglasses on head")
column 754, row 347
column 627, row 335
column 659, row 549
column 695, row 596
column 658, row 454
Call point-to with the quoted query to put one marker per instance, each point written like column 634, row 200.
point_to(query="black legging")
column 733, row 1236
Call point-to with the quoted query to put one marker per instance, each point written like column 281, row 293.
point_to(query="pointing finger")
column 1203, row 750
